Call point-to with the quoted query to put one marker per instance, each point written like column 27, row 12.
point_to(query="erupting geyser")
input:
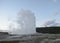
column 25, row 22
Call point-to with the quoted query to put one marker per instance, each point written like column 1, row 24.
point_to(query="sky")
column 44, row 10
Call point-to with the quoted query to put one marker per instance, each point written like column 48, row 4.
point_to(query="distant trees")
column 50, row 30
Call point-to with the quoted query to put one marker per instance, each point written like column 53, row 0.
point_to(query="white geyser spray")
column 25, row 23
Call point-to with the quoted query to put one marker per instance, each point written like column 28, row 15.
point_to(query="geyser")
column 25, row 23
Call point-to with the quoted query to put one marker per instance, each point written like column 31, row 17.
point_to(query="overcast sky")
column 43, row 9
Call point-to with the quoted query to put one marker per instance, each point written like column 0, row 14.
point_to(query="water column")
column 26, row 22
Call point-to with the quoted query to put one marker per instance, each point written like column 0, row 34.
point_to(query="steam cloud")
column 25, row 23
column 51, row 23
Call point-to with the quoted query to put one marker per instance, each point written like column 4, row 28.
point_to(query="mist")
column 52, row 22
column 24, row 23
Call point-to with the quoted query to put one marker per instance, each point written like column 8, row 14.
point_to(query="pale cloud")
column 57, row 12
column 51, row 23
column 54, row 0
column 3, row 25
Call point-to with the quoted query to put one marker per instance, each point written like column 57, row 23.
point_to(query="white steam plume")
column 25, row 23
column 51, row 23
